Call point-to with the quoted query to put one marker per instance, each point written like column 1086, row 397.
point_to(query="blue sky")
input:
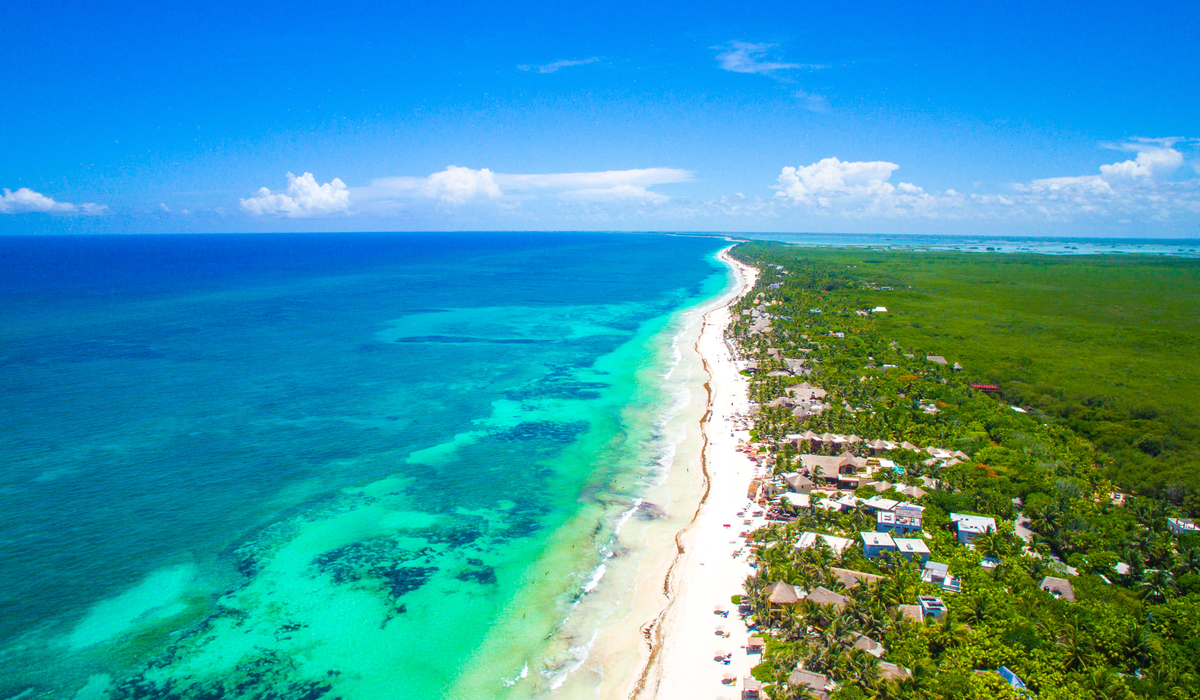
column 1007, row 118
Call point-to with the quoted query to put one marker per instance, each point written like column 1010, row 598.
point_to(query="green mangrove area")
column 1066, row 386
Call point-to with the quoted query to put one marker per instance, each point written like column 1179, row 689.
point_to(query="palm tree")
column 1157, row 584
column 979, row 608
column 949, row 633
column 865, row 671
column 1076, row 644
column 1188, row 561
column 991, row 544
column 1104, row 684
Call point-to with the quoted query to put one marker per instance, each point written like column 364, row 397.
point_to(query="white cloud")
column 304, row 198
column 1135, row 188
column 25, row 200
column 553, row 67
column 459, row 185
column 851, row 188
column 605, row 179
column 1151, row 162
column 614, row 194
column 742, row 57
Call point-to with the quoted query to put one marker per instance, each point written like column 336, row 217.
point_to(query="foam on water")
column 372, row 484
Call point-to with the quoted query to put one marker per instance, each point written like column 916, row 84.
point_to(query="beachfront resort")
column 905, row 532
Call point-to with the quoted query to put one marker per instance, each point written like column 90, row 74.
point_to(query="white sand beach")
column 714, row 561
column 659, row 640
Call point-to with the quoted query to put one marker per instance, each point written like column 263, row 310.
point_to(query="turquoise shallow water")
column 316, row 466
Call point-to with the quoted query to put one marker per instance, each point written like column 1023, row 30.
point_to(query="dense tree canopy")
column 1054, row 466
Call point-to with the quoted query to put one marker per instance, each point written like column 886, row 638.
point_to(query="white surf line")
column 682, row 637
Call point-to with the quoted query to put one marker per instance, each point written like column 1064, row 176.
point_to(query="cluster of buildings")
column 760, row 320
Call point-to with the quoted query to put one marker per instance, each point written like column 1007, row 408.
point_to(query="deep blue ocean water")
column 309, row 465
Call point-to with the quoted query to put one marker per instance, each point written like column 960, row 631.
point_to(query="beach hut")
column 798, row 482
column 912, row 613
column 892, row 672
column 872, row 647
column 849, row 578
column 823, row 596
column 780, row 593
column 751, row 688
column 815, row 683
column 1058, row 587
column 755, row 644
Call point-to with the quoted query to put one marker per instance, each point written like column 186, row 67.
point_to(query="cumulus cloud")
column 1129, row 188
column 458, row 185
column 25, row 200
column 742, row 57
column 553, row 67
column 304, row 197
column 1150, row 162
column 858, row 188
column 1133, row 188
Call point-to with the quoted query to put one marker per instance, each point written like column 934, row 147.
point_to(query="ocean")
column 317, row 466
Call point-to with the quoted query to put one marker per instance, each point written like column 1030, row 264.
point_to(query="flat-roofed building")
column 876, row 544
column 810, row 539
column 931, row 606
column 913, row 549
column 938, row 574
column 879, row 503
column 1182, row 526
column 968, row 527
column 898, row 522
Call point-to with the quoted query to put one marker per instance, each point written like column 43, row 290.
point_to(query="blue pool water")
column 314, row 465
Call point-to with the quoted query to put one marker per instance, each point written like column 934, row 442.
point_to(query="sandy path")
column 707, row 574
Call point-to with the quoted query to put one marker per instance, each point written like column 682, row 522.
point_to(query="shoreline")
column 675, row 659
column 599, row 647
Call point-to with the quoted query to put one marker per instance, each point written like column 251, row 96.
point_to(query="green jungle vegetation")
column 1106, row 345
column 1100, row 354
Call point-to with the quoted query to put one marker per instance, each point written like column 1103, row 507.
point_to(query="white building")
column 837, row 544
column 1181, row 526
column 969, row 527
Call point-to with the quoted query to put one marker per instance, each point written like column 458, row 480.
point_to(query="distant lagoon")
column 1045, row 245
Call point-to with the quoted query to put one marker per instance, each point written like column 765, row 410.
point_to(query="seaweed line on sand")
column 650, row 631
